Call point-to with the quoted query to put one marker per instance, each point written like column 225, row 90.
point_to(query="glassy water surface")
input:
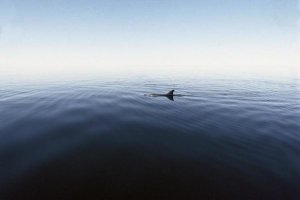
column 229, row 136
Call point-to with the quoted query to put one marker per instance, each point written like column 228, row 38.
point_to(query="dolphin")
column 170, row 95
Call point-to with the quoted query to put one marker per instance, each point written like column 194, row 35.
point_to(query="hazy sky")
column 84, row 33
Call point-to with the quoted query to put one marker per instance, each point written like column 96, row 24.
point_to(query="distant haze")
column 89, row 34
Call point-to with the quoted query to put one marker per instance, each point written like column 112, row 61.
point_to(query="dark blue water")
column 230, row 136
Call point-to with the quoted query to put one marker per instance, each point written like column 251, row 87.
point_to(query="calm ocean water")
column 230, row 136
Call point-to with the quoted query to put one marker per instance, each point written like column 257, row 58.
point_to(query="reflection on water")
column 101, row 137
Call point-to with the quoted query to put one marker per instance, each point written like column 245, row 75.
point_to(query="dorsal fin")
column 171, row 92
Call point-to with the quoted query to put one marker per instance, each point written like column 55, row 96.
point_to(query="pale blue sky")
column 81, row 33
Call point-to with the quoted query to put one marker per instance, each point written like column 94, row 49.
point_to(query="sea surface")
column 102, row 136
